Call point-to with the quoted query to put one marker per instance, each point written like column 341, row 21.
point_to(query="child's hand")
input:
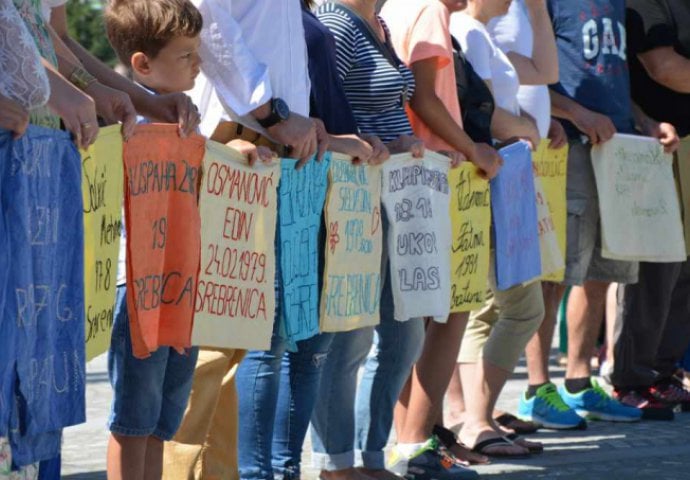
column 456, row 158
column 253, row 153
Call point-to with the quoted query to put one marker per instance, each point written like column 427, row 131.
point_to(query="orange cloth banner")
column 162, row 175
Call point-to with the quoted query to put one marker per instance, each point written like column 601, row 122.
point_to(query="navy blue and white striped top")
column 373, row 86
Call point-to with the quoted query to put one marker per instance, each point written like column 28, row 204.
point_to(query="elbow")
column 552, row 73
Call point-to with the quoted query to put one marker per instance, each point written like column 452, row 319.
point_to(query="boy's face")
column 173, row 70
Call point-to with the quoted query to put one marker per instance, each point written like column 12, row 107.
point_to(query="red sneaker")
column 672, row 392
column 652, row 408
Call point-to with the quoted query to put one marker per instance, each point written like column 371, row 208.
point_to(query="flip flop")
column 482, row 446
column 512, row 422
column 532, row 447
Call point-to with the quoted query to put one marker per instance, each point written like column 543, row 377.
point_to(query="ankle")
column 575, row 385
column 532, row 389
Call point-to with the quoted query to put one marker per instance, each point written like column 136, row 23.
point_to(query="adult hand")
column 456, row 158
column 13, row 116
column 380, row 152
column 487, row 159
column 322, row 139
column 77, row 110
column 557, row 136
column 599, row 128
column 665, row 133
column 114, row 106
column 173, row 108
column 407, row 144
column 299, row 133
column 352, row 145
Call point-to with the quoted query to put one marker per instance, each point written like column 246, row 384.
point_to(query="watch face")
column 281, row 108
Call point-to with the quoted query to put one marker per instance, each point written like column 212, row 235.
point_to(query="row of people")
column 378, row 84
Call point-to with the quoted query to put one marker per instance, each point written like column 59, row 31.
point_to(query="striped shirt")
column 374, row 88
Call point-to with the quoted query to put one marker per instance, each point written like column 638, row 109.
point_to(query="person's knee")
column 595, row 291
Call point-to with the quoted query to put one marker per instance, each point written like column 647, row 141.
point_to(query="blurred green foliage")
column 85, row 20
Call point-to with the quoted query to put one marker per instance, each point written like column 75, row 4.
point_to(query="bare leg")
column 611, row 307
column 455, row 413
column 538, row 349
column 400, row 412
column 126, row 457
column 585, row 313
column 153, row 469
column 430, row 378
column 485, row 381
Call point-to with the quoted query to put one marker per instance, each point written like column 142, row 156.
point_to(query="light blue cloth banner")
column 43, row 314
column 301, row 198
column 514, row 216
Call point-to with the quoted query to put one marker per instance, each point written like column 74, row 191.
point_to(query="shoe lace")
column 603, row 398
column 554, row 400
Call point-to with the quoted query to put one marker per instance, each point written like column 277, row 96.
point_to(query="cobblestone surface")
column 646, row 450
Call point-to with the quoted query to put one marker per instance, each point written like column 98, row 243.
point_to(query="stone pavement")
column 605, row 451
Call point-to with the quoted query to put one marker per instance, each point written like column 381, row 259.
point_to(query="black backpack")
column 476, row 100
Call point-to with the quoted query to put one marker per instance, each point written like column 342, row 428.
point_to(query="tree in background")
column 85, row 21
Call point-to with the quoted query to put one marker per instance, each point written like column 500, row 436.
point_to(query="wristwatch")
column 279, row 113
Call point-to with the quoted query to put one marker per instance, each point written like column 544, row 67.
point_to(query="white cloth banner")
column 640, row 215
column 415, row 195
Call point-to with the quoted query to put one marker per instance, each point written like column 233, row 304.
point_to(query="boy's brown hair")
column 148, row 25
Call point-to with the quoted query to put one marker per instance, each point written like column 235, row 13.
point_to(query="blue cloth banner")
column 301, row 198
column 514, row 214
column 43, row 316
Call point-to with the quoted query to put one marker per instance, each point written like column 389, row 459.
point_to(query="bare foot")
column 379, row 474
column 533, row 447
column 454, row 419
column 345, row 474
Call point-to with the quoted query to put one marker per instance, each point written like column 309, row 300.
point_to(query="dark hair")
column 148, row 25
column 309, row 4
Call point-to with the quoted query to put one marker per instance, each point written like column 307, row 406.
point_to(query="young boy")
column 159, row 40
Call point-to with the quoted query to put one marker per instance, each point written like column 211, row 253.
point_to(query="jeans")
column 346, row 417
column 277, row 391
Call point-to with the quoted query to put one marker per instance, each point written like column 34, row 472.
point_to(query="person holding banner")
column 277, row 389
column 652, row 328
column 497, row 334
column 419, row 33
column 525, row 35
column 350, row 417
column 593, row 98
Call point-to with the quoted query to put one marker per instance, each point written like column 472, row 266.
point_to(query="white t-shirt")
column 488, row 61
column 513, row 33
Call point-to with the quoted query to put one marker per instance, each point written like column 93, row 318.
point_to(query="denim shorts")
column 150, row 395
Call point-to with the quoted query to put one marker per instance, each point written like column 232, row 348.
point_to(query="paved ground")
column 647, row 450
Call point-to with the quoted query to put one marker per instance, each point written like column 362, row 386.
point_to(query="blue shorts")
column 150, row 395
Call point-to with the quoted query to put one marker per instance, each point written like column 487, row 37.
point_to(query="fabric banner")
column 416, row 197
column 552, row 257
column 352, row 278
column 162, row 174
column 518, row 258
column 301, row 197
column 102, row 178
column 640, row 215
column 470, row 216
column 235, row 304
column 42, row 326
column 683, row 174
column 551, row 167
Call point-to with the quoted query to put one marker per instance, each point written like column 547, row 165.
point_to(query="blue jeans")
column 277, row 390
column 347, row 418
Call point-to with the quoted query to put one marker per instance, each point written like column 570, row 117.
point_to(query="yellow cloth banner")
column 551, row 167
column 235, row 304
column 470, row 215
column 350, row 297
column 102, row 183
